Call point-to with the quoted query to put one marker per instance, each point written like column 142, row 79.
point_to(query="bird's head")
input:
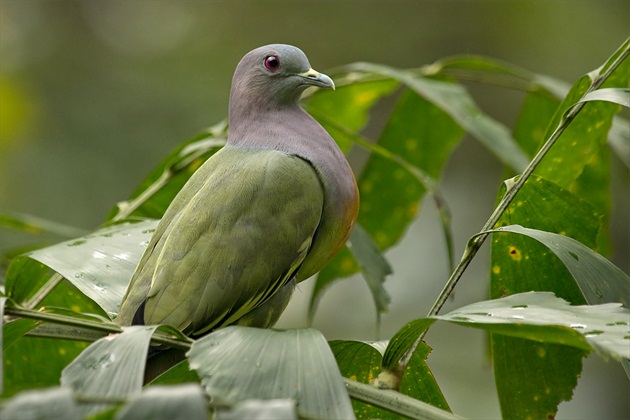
column 274, row 76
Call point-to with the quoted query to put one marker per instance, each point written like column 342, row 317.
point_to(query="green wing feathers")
column 233, row 237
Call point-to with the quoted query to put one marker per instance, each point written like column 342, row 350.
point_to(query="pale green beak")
column 314, row 78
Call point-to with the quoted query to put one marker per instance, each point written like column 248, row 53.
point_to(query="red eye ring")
column 272, row 63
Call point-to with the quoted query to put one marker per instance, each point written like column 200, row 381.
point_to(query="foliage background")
column 100, row 92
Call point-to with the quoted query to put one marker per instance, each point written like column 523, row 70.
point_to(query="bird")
column 267, row 211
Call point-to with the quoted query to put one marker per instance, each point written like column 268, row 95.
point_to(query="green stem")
column 103, row 327
column 395, row 402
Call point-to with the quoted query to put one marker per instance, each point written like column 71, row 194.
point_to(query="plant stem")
column 477, row 241
column 395, row 402
column 103, row 327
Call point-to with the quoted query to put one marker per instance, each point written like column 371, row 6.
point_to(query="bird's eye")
column 272, row 63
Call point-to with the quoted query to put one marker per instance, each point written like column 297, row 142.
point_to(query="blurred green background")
column 93, row 94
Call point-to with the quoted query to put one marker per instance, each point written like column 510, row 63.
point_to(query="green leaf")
column 374, row 266
column 426, row 136
column 37, row 362
column 533, row 121
column 100, row 265
column 520, row 264
column 588, row 131
column 112, row 367
column 361, row 362
column 25, row 277
column 52, row 403
column 180, row 402
column 348, row 106
column 240, row 363
column 403, row 340
column 542, row 317
column 615, row 95
column 490, row 70
column 178, row 374
column 260, row 410
column 456, row 102
column 599, row 280
column 387, row 212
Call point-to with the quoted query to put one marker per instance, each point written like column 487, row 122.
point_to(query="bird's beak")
column 315, row 78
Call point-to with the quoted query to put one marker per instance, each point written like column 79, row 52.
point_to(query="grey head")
column 272, row 77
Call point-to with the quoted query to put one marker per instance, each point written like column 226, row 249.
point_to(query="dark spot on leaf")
column 574, row 255
column 77, row 243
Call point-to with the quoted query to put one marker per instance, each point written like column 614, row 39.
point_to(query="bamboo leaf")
column 239, row 363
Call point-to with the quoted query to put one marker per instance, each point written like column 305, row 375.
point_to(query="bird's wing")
column 234, row 238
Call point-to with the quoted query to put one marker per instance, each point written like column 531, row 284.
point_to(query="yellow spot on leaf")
column 496, row 269
column 541, row 352
column 411, row 144
column 62, row 351
column 514, row 253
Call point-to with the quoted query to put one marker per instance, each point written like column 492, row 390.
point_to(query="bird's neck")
column 262, row 123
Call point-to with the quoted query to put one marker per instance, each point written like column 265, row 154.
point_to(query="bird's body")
column 269, row 209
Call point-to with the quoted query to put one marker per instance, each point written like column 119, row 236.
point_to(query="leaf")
column 599, row 280
column 533, row 121
column 456, row 102
column 100, row 264
column 588, row 131
column 112, row 367
column 426, row 136
column 260, row 410
column 37, row 362
column 373, row 264
column 52, row 403
column 615, row 95
column 240, row 363
column 491, row 70
column 180, row 402
column 387, row 212
column 520, row 264
column 178, row 374
column 361, row 362
column 348, row 106
column 403, row 340
column 540, row 316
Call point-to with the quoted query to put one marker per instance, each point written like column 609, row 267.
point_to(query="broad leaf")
column 520, row 264
column 260, row 410
column 362, row 362
column 181, row 402
column 52, row 403
column 239, row 363
column 599, row 280
column 456, row 102
column 100, row 264
column 537, row 316
column 112, row 367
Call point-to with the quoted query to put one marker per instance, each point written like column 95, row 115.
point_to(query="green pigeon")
column 268, row 210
